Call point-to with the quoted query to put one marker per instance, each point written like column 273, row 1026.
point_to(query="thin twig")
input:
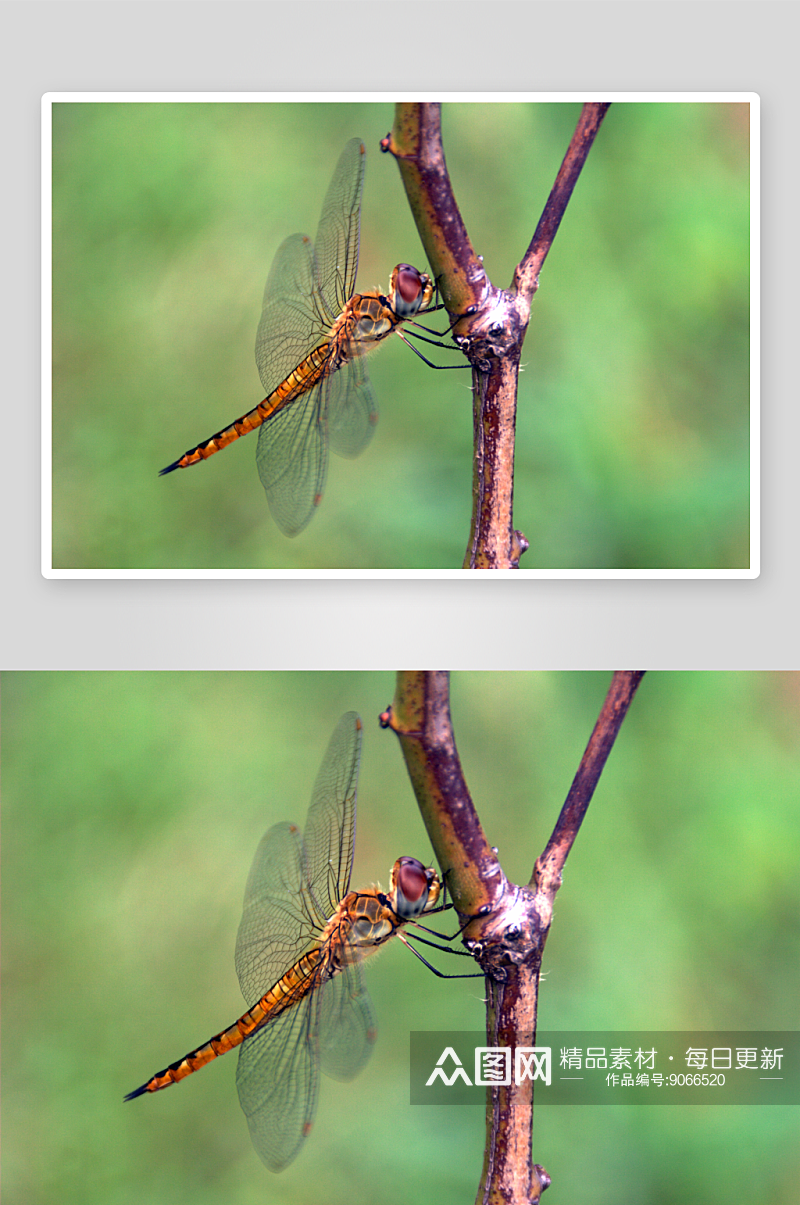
column 547, row 872
column 526, row 276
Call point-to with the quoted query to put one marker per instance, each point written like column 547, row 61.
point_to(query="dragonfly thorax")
column 365, row 920
column 372, row 319
column 362, row 922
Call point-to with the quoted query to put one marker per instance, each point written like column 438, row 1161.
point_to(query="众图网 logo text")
column 493, row 1066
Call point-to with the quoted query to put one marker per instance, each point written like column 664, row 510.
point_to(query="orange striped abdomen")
column 303, row 977
column 318, row 364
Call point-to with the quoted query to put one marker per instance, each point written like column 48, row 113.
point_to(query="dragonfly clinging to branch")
column 310, row 349
column 302, row 939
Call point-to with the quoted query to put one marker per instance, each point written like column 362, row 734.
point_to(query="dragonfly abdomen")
column 317, row 364
column 220, row 1044
column 288, row 991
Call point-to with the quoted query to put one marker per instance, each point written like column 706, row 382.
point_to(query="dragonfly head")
column 414, row 888
column 409, row 291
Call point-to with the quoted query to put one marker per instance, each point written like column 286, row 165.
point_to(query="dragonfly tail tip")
column 136, row 1092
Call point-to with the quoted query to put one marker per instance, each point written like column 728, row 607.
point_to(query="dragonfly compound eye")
column 409, row 283
column 412, row 885
column 408, row 287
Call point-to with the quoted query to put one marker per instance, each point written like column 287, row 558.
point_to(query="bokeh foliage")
column 133, row 804
column 633, row 426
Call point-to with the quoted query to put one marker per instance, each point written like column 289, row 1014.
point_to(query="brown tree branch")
column 420, row 717
column 491, row 322
column 509, row 923
column 546, row 875
column 415, row 141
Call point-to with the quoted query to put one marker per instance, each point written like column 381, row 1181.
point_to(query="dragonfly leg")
column 439, row 974
column 417, row 352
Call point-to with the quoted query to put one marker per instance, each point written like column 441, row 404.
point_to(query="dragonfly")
column 310, row 347
column 299, row 951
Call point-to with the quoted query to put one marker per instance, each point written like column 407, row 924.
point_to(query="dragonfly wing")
column 293, row 320
column 277, row 1079
column 347, row 1029
column 352, row 413
column 292, row 459
column 331, row 825
column 292, row 451
column 295, row 885
column 280, row 921
column 306, row 291
column 339, row 228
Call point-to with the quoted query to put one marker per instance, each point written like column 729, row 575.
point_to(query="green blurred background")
column 133, row 805
column 633, row 424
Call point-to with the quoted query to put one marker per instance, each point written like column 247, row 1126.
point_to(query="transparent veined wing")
column 294, row 319
column 277, row 1079
column 296, row 883
column 293, row 888
column 331, row 826
column 292, row 460
column 339, row 228
column 297, row 314
column 280, row 920
column 293, row 446
column 347, row 1028
column 308, row 285
column 352, row 413
column 306, row 296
